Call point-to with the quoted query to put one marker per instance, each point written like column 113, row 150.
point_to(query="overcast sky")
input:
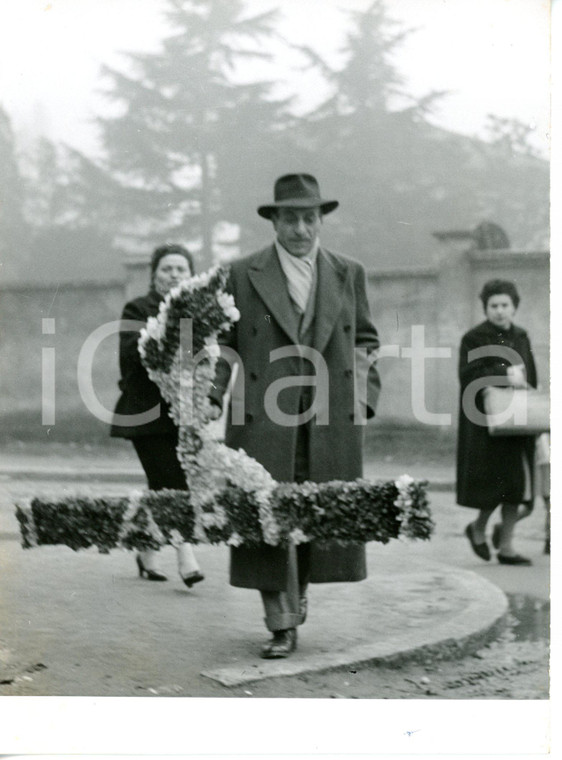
column 492, row 55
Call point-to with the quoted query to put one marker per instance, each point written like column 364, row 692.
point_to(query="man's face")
column 297, row 228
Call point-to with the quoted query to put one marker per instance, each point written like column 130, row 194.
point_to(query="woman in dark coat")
column 494, row 470
column 141, row 414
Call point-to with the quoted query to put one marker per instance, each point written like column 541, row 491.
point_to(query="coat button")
column 352, row 416
column 346, row 328
column 254, row 330
column 249, row 417
column 253, row 376
column 348, row 373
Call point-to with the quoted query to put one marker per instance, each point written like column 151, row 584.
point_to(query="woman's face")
column 500, row 310
column 171, row 270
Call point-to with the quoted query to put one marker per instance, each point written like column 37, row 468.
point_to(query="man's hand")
column 215, row 411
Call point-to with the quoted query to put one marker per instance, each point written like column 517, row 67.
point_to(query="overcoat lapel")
column 329, row 298
column 269, row 281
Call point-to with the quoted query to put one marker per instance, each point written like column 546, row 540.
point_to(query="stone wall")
column 74, row 311
column 441, row 302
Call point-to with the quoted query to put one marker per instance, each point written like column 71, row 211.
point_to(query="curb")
column 128, row 476
column 72, row 474
column 481, row 621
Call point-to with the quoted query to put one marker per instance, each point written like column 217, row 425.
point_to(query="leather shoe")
column 481, row 550
column 192, row 578
column 516, row 559
column 281, row 645
column 496, row 535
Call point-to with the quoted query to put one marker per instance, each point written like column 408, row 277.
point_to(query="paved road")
column 53, row 592
column 448, row 544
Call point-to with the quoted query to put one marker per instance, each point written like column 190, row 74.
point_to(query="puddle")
column 531, row 618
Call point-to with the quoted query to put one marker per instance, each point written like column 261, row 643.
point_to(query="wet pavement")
column 529, row 618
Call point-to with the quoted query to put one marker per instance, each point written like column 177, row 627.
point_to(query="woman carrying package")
column 494, row 470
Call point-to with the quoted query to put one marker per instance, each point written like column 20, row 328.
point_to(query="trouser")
column 159, row 460
column 282, row 608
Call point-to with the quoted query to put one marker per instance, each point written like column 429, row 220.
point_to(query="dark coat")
column 138, row 393
column 490, row 469
column 268, row 322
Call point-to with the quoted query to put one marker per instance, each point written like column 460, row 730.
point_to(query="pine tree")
column 69, row 215
column 14, row 237
column 399, row 177
column 367, row 134
column 186, row 124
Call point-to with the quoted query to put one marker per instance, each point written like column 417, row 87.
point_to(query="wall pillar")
column 453, row 309
column 455, row 289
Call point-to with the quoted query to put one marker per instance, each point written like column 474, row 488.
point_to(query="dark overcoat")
column 490, row 469
column 138, row 393
column 344, row 337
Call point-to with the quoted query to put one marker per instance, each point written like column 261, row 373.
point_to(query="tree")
column 514, row 183
column 511, row 135
column 367, row 82
column 47, row 176
column 186, row 124
column 14, row 234
column 70, row 216
column 370, row 139
column 399, row 177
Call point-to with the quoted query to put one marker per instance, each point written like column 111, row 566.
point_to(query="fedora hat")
column 296, row 191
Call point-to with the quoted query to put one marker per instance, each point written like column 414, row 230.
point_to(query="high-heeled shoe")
column 482, row 550
column 151, row 575
column 192, row 578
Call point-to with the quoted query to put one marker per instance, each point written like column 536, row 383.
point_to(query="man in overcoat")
column 305, row 386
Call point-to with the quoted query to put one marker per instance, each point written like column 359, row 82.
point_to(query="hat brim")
column 325, row 206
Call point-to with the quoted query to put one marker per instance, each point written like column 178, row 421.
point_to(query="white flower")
column 403, row 482
column 226, row 302
column 212, row 349
column 235, row 539
column 212, row 520
column 135, row 504
column 298, row 537
column 134, row 499
column 30, row 528
column 176, row 538
column 208, row 465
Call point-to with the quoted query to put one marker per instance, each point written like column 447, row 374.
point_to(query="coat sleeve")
column 223, row 370
column 129, row 358
column 485, row 366
column 530, row 366
column 367, row 339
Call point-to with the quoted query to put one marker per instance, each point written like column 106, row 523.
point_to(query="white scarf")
column 299, row 271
